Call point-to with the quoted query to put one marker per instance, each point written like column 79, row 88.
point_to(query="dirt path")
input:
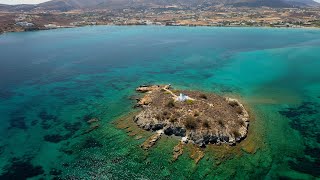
column 175, row 96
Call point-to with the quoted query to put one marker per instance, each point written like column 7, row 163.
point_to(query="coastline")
column 190, row 26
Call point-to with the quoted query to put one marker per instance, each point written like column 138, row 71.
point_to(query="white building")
column 24, row 24
column 182, row 97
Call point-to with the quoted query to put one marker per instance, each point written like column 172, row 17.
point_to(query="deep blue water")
column 52, row 82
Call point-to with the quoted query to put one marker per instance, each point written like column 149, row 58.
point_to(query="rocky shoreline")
column 196, row 117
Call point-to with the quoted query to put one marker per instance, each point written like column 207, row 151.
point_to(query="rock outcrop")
column 201, row 119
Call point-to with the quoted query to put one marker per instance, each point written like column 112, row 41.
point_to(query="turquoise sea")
column 53, row 82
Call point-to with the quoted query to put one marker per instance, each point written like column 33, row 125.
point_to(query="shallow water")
column 52, row 82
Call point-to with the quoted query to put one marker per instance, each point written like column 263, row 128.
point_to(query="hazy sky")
column 22, row 1
column 35, row 1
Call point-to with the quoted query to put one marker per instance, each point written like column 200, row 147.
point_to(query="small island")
column 196, row 117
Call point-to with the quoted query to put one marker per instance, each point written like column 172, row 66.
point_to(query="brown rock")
column 151, row 141
column 177, row 151
column 93, row 120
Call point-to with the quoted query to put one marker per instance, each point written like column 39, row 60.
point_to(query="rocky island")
column 199, row 118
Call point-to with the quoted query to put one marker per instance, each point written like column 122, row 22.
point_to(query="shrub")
column 165, row 115
column 221, row 123
column 203, row 96
column 236, row 133
column 241, row 123
column 189, row 101
column 196, row 114
column 170, row 104
column 190, row 123
column 233, row 103
column 239, row 110
column 205, row 124
column 158, row 116
column 173, row 119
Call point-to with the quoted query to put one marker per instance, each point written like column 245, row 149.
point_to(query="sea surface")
column 53, row 82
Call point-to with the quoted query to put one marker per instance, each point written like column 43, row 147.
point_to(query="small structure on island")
column 183, row 97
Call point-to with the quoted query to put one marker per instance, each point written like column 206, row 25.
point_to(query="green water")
column 53, row 81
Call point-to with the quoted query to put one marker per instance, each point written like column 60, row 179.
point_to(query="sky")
column 35, row 1
column 22, row 1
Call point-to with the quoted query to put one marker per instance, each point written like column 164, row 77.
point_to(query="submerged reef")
column 304, row 118
column 18, row 122
column 21, row 168
column 199, row 118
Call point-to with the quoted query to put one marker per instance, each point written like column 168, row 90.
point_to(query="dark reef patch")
column 61, row 89
column 65, row 164
column 45, row 125
column 73, row 100
column 57, row 178
column 206, row 75
column 34, row 122
column 225, row 89
column 18, row 122
column 1, row 149
column 97, row 91
column 91, row 143
column 72, row 127
column 88, row 117
column 56, row 138
column 47, row 117
column 61, row 95
column 304, row 118
column 306, row 108
column 116, row 160
column 47, row 120
column 119, row 87
column 20, row 168
column 98, row 96
column 305, row 165
column 55, row 172
column 66, row 151
column 6, row 94
column 88, row 143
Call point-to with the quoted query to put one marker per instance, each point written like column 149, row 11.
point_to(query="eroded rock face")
column 202, row 119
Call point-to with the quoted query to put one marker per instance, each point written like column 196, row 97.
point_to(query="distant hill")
column 94, row 4
column 303, row 2
column 67, row 5
column 260, row 3
column 22, row 7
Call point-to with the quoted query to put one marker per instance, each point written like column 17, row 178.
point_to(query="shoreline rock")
column 152, row 140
